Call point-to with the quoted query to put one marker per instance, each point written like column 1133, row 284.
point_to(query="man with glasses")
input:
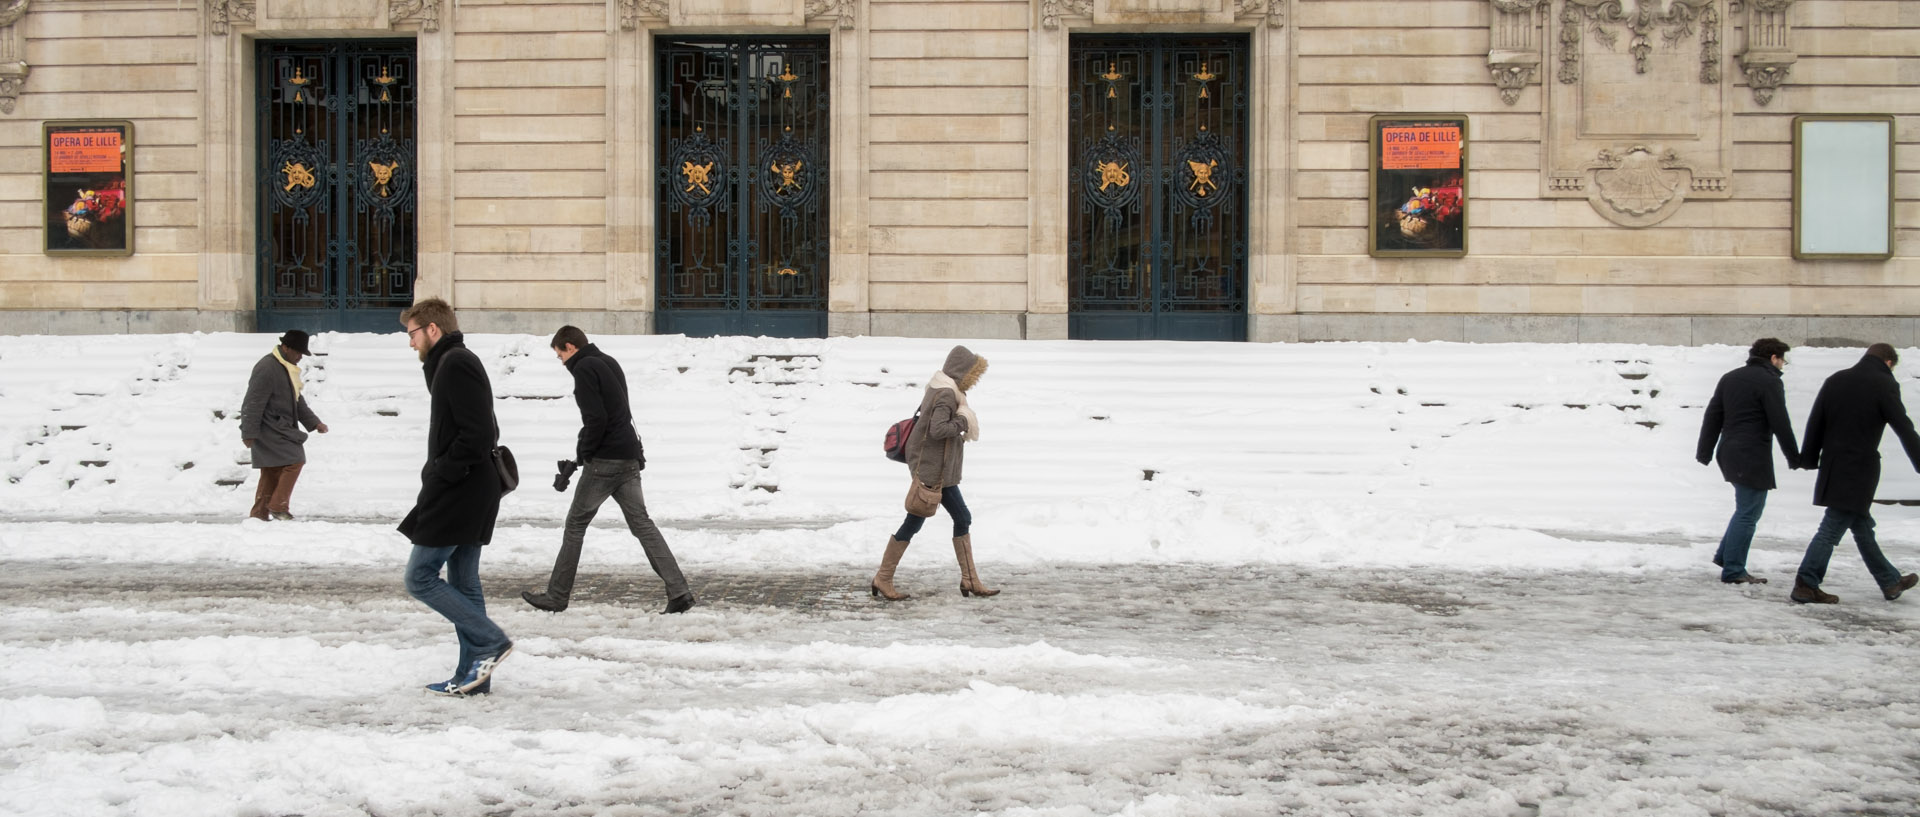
column 1748, row 406
column 1843, row 440
column 459, row 496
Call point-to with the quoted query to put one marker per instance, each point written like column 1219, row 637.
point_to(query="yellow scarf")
column 293, row 372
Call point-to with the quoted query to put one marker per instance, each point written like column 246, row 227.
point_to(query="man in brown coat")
column 270, row 419
column 935, row 451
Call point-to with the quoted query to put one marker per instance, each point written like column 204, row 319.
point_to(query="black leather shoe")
column 679, row 604
column 1893, row 591
column 541, row 601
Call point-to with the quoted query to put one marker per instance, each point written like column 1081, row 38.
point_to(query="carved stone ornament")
column 13, row 63
column 841, row 9
column 1638, row 119
column 222, row 14
column 631, row 11
column 1052, row 10
column 1769, row 54
column 1682, row 19
column 1515, row 57
column 1275, row 10
column 1640, row 186
column 427, row 10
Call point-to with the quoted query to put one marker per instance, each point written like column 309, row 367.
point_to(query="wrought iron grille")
column 1158, row 187
column 741, row 181
column 336, row 180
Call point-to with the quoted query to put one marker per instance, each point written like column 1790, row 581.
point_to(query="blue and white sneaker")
column 449, row 688
column 482, row 670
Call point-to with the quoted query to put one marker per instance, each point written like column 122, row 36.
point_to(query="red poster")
column 83, row 151
column 1421, row 147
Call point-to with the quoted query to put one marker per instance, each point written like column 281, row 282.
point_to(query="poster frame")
column 58, row 190
column 1801, row 205
column 1378, row 244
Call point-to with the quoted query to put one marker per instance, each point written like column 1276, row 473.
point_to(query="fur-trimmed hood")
column 964, row 367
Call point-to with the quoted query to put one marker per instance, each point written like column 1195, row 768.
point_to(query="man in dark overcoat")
column 611, row 458
column 1749, row 405
column 1854, row 407
column 271, row 415
column 459, row 496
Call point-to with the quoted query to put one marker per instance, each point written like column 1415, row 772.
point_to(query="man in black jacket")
column 1748, row 406
column 611, row 458
column 459, row 496
column 1854, row 407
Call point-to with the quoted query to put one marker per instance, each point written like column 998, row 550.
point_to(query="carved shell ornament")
column 1640, row 186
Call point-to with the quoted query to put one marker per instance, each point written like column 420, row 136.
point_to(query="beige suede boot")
column 970, row 584
column 882, row 585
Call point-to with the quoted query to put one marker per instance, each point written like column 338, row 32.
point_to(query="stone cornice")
column 222, row 14
column 13, row 53
column 428, row 11
column 1052, row 10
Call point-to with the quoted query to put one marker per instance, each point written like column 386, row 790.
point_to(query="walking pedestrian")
column 271, row 415
column 1748, row 406
column 935, row 451
column 610, row 457
column 1853, row 408
column 459, row 496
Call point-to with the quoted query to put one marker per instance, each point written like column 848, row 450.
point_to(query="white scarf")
column 940, row 380
column 293, row 373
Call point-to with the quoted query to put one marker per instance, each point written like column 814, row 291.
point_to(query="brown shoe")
column 1748, row 578
column 1806, row 594
column 1893, row 591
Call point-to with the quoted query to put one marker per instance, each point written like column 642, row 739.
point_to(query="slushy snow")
column 1240, row 579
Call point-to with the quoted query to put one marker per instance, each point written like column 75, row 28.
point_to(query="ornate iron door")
column 1158, row 188
column 741, row 185
column 336, row 184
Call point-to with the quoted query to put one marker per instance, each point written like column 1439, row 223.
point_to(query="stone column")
column 848, row 307
column 433, row 146
column 630, row 148
column 1047, row 67
column 227, row 198
column 1271, row 303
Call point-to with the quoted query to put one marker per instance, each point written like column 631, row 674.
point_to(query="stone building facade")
column 937, row 168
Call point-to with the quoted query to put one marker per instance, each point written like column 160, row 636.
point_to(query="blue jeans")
column 458, row 598
column 1813, row 568
column 956, row 508
column 1748, row 503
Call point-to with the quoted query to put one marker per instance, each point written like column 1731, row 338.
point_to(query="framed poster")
column 1843, row 186
column 1417, row 185
column 88, row 186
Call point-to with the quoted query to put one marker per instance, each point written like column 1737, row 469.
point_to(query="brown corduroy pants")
column 275, row 491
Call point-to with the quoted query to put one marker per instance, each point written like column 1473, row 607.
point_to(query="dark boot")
column 560, row 584
column 1807, row 594
column 882, row 584
column 1745, row 579
column 679, row 604
column 970, row 584
column 1893, row 591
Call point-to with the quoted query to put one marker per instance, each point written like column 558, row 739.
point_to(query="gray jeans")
column 619, row 479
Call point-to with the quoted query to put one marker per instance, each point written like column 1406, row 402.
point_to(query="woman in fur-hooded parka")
column 936, row 451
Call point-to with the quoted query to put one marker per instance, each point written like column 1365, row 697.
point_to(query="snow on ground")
column 1366, row 579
